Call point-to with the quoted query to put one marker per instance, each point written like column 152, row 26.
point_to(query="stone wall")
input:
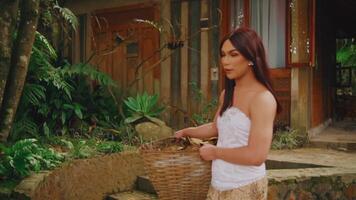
column 85, row 179
column 330, row 187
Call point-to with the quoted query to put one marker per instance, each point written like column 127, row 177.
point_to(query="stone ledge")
column 276, row 176
column 324, row 185
column 87, row 179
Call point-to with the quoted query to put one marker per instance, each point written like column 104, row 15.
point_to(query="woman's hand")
column 208, row 152
column 179, row 134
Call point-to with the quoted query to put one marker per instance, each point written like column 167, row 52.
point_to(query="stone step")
column 132, row 195
column 144, row 184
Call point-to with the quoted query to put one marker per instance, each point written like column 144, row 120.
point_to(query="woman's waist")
column 226, row 170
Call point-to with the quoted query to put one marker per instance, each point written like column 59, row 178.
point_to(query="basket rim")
column 143, row 148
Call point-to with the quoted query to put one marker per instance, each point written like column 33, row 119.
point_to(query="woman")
column 243, row 122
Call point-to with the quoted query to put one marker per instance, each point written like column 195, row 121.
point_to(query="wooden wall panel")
column 176, row 64
column 214, row 42
column 165, row 79
column 184, row 58
column 204, row 51
column 281, row 80
column 194, row 50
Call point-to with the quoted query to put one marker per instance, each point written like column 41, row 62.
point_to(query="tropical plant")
column 288, row 139
column 26, row 156
column 206, row 111
column 109, row 147
column 61, row 99
column 142, row 107
column 83, row 149
column 346, row 54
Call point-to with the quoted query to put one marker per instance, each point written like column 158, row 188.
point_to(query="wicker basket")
column 175, row 174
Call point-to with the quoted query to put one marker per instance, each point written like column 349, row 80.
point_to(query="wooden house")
column 299, row 36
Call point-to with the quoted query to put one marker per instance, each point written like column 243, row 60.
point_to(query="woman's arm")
column 204, row 131
column 263, row 111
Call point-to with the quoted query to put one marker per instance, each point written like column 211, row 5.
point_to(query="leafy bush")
column 288, row 139
column 26, row 156
column 83, row 149
column 142, row 107
column 206, row 110
column 346, row 54
column 109, row 147
column 60, row 99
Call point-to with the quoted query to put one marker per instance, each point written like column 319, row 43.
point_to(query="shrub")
column 26, row 156
column 143, row 107
column 288, row 139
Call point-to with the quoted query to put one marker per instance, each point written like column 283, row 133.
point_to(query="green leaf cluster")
column 61, row 99
column 288, row 139
column 206, row 109
column 142, row 107
column 346, row 55
column 27, row 156
column 88, row 148
column 109, row 147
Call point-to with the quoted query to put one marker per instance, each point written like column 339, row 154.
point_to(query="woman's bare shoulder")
column 264, row 98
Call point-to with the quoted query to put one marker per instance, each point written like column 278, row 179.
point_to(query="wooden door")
column 133, row 63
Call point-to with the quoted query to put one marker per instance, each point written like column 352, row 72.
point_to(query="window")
column 268, row 19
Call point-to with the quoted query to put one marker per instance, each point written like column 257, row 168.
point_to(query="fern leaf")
column 69, row 16
column 33, row 93
column 42, row 42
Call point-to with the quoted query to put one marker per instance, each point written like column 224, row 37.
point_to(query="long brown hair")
column 250, row 45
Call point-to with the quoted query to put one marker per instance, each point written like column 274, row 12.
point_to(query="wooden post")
column 301, row 98
column 176, row 63
column 194, row 51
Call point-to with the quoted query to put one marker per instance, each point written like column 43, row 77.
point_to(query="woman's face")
column 235, row 65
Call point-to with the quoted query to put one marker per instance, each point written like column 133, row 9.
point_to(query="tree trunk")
column 8, row 17
column 19, row 61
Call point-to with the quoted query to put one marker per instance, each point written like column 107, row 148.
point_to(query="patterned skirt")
column 253, row 191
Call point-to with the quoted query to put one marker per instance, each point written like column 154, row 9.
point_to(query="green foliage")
column 206, row 109
column 68, row 16
column 109, row 147
column 59, row 100
column 288, row 139
column 346, row 54
column 89, row 148
column 83, row 149
column 142, row 107
column 26, row 156
column 207, row 113
column 86, row 70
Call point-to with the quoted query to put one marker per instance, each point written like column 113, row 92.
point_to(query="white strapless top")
column 234, row 130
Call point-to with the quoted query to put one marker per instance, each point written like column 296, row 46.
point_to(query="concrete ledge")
column 85, row 179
